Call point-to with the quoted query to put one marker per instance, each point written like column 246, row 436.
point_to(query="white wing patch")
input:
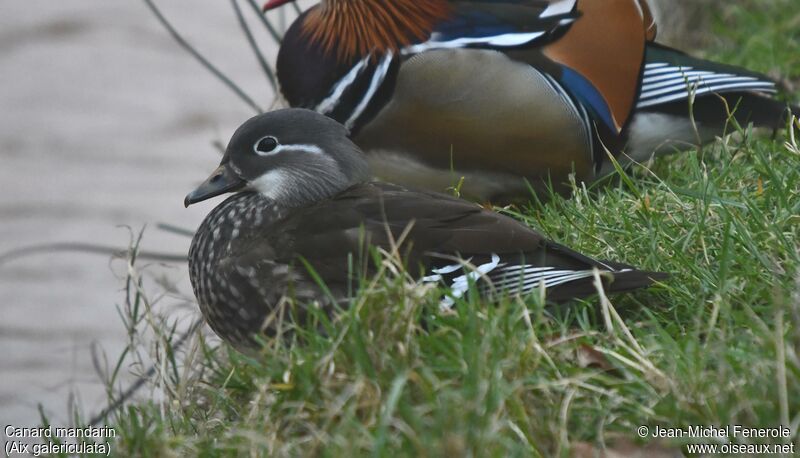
column 664, row 83
column 512, row 280
column 460, row 284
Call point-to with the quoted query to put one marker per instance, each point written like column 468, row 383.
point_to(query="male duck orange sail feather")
column 505, row 91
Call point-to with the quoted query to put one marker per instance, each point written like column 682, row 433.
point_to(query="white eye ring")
column 266, row 145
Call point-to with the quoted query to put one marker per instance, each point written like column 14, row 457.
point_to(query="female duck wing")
column 440, row 233
column 373, row 214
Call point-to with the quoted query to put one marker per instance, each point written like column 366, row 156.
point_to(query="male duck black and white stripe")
column 302, row 196
column 504, row 89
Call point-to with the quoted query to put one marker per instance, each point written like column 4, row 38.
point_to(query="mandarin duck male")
column 302, row 200
column 499, row 90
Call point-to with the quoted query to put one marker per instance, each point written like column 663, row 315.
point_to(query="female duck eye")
column 266, row 145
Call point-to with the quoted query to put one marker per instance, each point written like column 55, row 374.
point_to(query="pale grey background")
column 105, row 121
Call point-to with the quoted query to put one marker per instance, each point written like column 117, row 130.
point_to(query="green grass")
column 714, row 345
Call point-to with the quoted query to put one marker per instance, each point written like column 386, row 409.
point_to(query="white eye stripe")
column 313, row 149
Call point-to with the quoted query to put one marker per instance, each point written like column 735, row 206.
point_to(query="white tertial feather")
column 531, row 278
column 460, row 284
column 508, row 279
column 647, row 81
column 534, row 275
column 757, row 86
column 652, row 71
column 696, row 82
column 706, row 77
column 663, row 83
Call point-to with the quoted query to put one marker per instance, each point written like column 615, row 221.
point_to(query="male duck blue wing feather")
column 498, row 24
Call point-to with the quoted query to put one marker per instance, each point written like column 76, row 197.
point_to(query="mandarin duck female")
column 500, row 90
column 302, row 200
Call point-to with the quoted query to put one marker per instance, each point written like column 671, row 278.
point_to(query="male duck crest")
column 356, row 28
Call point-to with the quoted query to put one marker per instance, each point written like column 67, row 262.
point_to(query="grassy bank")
column 714, row 345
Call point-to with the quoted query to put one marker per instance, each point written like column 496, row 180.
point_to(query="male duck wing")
column 671, row 75
column 499, row 24
column 600, row 45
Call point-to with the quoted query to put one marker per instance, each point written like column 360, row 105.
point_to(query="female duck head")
column 292, row 156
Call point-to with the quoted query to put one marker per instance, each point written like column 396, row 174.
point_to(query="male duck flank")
column 501, row 90
column 302, row 199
